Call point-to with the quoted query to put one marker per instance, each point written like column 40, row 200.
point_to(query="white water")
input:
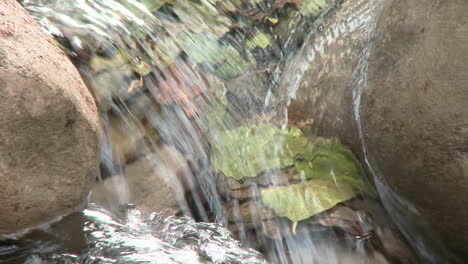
column 328, row 49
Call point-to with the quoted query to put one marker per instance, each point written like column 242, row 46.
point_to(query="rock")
column 49, row 127
column 414, row 110
column 154, row 183
column 322, row 72
column 406, row 84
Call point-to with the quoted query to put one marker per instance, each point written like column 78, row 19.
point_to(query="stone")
column 322, row 76
column 156, row 182
column 394, row 81
column 414, row 111
column 49, row 127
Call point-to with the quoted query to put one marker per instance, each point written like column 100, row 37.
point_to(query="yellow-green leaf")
column 246, row 152
column 260, row 40
column 311, row 7
column 327, row 159
column 142, row 68
column 99, row 63
column 303, row 200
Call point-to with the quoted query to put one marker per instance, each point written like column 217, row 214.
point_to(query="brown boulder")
column 414, row 110
column 324, row 68
column 156, row 182
column 396, row 72
column 49, row 128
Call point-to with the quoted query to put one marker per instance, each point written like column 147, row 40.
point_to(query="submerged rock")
column 156, row 182
column 49, row 127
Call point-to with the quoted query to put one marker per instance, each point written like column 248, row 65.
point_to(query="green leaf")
column 201, row 48
column 261, row 40
column 227, row 61
column 201, row 18
column 329, row 160
column 232, row 65
column 311, row 7
column 303, row 200
column 218, row 116
column 166, row 51
column 99, row 63
column 246, row 152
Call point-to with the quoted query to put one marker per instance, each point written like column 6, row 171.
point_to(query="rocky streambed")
column 259, row 116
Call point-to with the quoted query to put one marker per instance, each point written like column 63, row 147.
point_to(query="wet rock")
column 249, row 212
column 156, row 182
column 49, row 128
column 414, row 111
column 412, row 71
column 127, row 138
column 321, row 97
column 276, row 228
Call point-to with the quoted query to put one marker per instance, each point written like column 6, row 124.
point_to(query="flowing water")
column 94, row 236
column 170, row 77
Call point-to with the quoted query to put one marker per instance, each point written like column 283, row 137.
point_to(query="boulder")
column 49, row 127
column 318, row 78
column 394, row 81
column 156, row 182
column 414, row 110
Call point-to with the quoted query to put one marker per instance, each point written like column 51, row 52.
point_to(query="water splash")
column 95, row 236
column 155, row 96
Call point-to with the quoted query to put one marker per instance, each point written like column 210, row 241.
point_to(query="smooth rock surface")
column 323, row 70
column 156, row 182
column 397, row 72
column 414, row 110
column 49, row 128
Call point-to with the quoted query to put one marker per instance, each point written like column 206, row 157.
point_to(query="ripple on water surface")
column 95, row 236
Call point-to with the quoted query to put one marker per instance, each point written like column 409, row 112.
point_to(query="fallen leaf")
column 303, row 200
column 246, row 152
column 261, row 40
column 311, row 7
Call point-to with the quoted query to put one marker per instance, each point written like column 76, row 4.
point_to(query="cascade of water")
column 193, row 94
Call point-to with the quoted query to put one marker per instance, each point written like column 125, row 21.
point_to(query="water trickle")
column 194, row 98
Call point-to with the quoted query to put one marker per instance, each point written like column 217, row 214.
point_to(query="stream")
column 194, row 98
